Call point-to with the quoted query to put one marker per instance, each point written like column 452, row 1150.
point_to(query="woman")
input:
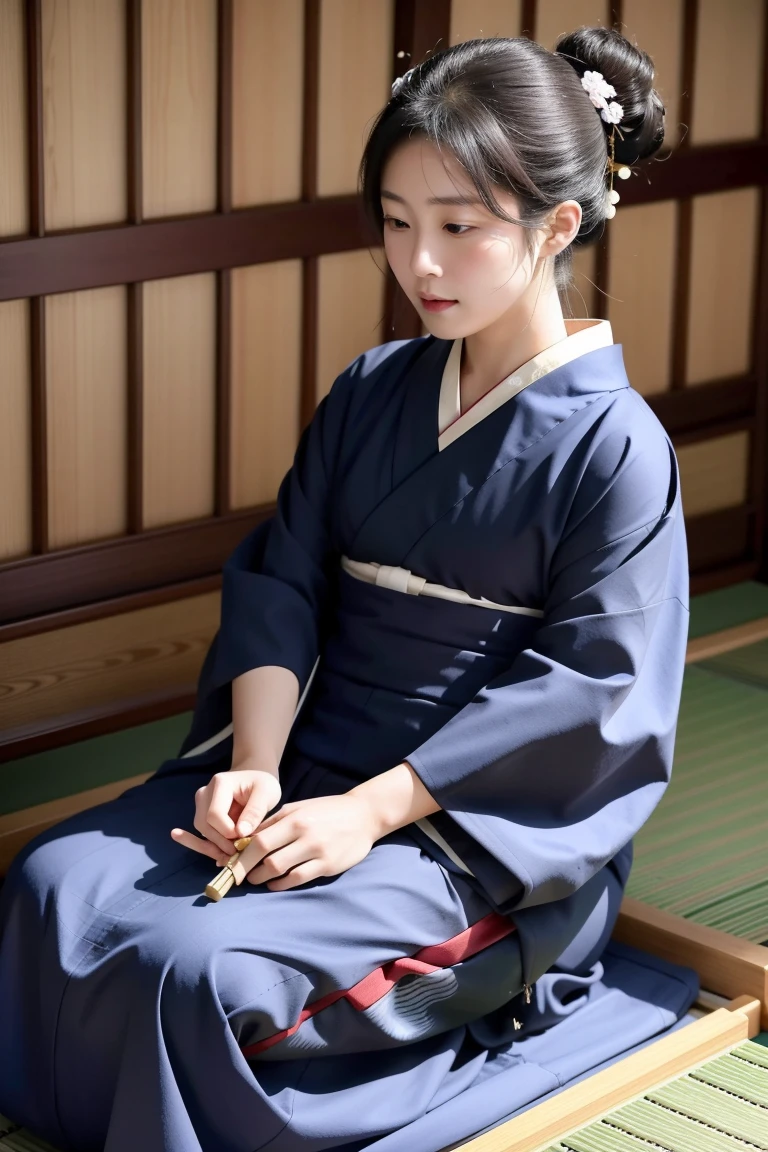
column 480, row 552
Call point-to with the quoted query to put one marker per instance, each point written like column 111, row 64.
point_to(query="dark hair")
column 518, row 119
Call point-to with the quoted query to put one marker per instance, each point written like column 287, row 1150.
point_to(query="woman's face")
column 441, row 241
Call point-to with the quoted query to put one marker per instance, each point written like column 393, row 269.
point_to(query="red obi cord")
column 376, row 984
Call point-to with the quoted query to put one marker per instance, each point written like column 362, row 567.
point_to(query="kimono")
column 497, row 598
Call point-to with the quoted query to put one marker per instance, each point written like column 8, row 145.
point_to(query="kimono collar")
column 583, row 336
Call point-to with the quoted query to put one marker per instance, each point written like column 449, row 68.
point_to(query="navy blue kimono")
column 532, row 683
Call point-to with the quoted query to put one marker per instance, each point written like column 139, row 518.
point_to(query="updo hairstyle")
column 518, row 120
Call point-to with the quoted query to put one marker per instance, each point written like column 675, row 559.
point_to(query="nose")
column 424, row 261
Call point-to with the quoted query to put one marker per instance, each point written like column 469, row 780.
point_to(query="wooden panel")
column 723, row 263
column 179, row 45
column 656, row 26
column 15, row 432
column 268, row 84
column 266, row 365
column 86, row 405
column 84, row 93
column 728, row 85
column 350, row 311
column 554, row 17
column 14, row 218
column 179, row 398
column 471, row 19
column 581, row 292
column 355, row 79
column 93, row 664
column 640, row 287
column 713, row 473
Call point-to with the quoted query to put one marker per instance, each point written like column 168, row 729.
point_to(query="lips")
column 436, row 303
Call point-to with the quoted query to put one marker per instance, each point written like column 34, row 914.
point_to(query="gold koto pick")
column 224, row 880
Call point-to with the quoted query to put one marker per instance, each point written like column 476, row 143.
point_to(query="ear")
column 563, row 224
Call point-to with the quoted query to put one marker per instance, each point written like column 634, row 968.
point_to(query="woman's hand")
column 310, row 838
column 231, row 805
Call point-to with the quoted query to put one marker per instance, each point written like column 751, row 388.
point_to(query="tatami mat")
column 704, row 852
column 718, row 1107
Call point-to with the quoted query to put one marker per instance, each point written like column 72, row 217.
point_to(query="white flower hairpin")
column 600, row 91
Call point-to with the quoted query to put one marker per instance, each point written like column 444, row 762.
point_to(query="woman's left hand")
column 322, row 836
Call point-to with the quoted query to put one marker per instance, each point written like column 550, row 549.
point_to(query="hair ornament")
column 599, row 90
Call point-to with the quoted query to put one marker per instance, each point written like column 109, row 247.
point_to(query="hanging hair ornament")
column 599, row 90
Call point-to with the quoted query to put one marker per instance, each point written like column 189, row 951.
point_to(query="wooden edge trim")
column 43, row 735
column 67, row 617
column 584, row 1102
column 704, row 647
column 18, row 828
column 751, row 1008
column 725, row 964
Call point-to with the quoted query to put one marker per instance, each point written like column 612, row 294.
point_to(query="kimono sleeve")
column 275, row 585
column 555, row 764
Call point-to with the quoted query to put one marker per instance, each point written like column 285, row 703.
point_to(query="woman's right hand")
column 231, row 805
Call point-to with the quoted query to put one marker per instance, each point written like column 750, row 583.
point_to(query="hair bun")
column 631, row 72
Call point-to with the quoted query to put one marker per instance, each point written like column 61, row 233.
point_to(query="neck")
column 531, row 325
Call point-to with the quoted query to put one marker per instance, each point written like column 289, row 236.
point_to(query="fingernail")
column 245, row 828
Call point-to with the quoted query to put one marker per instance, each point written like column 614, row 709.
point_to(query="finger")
column 278, row 863
column 252, row 814
column 202, row 826
column 220, row 803
column 309, row 870
column 279, row 815
column 188, row 840
column 266, row 841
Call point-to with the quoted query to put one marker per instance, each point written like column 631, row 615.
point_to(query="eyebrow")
column 466, row 200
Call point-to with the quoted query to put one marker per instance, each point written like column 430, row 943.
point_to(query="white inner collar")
column 583, row 336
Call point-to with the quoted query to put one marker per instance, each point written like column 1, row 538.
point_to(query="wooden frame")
column 726, row 964
column 539, row 1127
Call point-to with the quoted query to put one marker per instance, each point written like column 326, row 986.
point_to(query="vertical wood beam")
column 422, row 27
column 135, row 302
column 310, row 271
column 36, row 160
column 528, row 19
column 759, row 475
column 223, row 447
column 682, row 272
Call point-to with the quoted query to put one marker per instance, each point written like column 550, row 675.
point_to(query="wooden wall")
column 184, row 269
